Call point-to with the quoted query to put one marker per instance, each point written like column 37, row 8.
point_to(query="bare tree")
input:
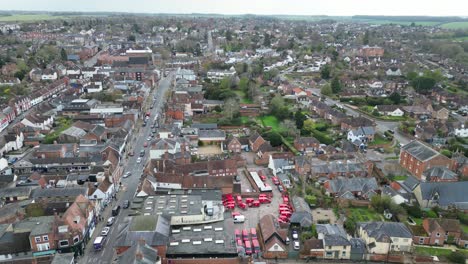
column 231, row 108
column 290, row 127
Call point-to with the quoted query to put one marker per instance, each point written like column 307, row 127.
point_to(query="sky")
column 261, row 7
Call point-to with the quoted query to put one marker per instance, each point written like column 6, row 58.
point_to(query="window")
column 343, row 253
column 76, row 239
column 329, row 247
column 329, row 254
column 43, row 247
column 421, row 240
column 63, row 243
column 38, row 239
column 395, row 239
column 45, row 238
column 438, row 235
column 405, row 240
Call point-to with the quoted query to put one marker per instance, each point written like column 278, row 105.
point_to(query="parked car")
column 126, row 175
column 280, row 188
column 110, row 221
column 105, row 231
column 295, row 235
column 145, row 144
column 139, row 160
column 297, row 246
column 126, row 204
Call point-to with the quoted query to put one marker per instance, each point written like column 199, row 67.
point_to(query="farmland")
column 455, row 25
column 26, row 18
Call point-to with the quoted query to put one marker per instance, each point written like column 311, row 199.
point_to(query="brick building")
column 416, row 157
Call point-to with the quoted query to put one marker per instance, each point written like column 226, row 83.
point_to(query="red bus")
column 256, row 246
column 248, row 248
column 253, row 232
column 237, row 233
column 245, row 235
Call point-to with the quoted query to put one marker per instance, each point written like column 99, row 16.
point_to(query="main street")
column 130, row 184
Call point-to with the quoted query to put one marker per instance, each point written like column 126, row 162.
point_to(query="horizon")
column 337, row 8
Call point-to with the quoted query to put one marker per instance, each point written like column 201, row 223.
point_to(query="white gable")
column 277, row 248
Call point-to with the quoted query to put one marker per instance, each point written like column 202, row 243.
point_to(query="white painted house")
column 461, row 132
column 382, row 237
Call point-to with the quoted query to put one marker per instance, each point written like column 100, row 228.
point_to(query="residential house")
column 438, row 232
column 440, row 174
column 280, row 166
column 351, row 123
column 462, row 131
column 306, row 144
column 42, row 236
column 385, row 237
column 218, row 75
column 255, row 141
column 417, row 157
column 352, row 188
column 335, row 241
column 440, row 113
column 15, row 194
column 417, row 111
column 160, row 146
column 361, row 135
column 442, row 194
column 272, row 238
column 235, row 145
column 389, row 110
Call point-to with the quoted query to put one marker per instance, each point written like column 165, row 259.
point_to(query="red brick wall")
column 426, row 240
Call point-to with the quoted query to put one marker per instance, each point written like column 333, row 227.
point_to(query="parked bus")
column 99, row 242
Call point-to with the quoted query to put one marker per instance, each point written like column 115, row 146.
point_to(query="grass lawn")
column 465, row 228
column 271, row 121
column 243, row 98
column 379, row 140
column 62, row 125
column 244, row 119
column 455, row 25
column 432, row 251
column 418, row 221
column 364, row 214
column 400, row 178
column 32, row 17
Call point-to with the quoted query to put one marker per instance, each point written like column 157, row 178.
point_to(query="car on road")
column 145, row 144
column 148, row 138
column 295, row 235
column 126, row 204
column 126, row 175
column 280, row 188
column 110, row 221
column 139, row 160
column 297, row 246
column 105, row 231
column 391, row 131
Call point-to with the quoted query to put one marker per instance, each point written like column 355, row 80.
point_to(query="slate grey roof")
column 215, row 133
column 358, row 245
column 157, row 237
column 60, row 192
column 440, row 172
column 205, row 126
column 147, row 254
column 420, row 151
column 383, row 231
column 450, row 193
column 330, row 229
column 335, row 240
column 74, row 132
column 15, row 192
column 410, row 183
column 358, row 184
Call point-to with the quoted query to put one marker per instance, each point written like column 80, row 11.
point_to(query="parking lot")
column 253, row 214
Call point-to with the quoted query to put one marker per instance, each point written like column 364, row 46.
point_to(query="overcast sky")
column 286, row 7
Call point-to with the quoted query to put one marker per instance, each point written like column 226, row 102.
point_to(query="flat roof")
column 202, row 240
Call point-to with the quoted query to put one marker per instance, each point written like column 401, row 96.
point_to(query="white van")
column 239, row 219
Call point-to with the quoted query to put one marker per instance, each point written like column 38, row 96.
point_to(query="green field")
column 432, row 251
column 271, row 121
column 397, row 22
column 36, row 17
column 455, row 25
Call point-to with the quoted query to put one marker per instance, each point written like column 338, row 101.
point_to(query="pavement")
column 129, row 185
